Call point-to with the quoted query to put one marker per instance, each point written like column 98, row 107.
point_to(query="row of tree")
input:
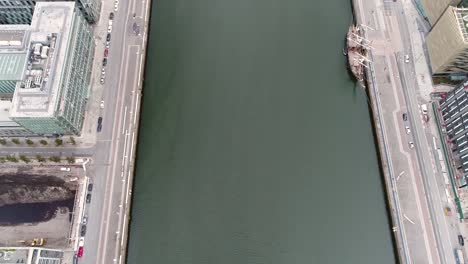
column 29, row 142
column 39, row 158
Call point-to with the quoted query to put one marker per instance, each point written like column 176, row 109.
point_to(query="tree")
column 55, row 159
column 29, row 142
column 11, row 158
column 58, row 142
column 2, row 159
column 24, row 158
column 3, row 141
column 16, row 141
column 72, row 141
column 40, row 158
column 71, row 160
column 43, row 142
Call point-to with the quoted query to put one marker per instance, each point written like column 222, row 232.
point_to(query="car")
column 108, row 37
column 411, row 144
column 102, row 105
column 104, row 62
column 461, row 240
column 103, row 72
column 102, row 80
column 88, row 198
column 83, row 230
column 106, row 52
column 90, row 187
column 116, row 6
column 110, row 22
column 85, row 220
column 99, row 128
column 405, row 117
column 80, row 252
column 99, row 120
column 107, row 44
column 109, row 29
column 408, row 130
column 111, row 15
column 81, row 242
column 406, row 58
column 65, row 169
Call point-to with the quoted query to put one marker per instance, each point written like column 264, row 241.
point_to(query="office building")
column 13, row 53
column 447, row 43
column 434, row 9
column 50, row 99
column 21, row 11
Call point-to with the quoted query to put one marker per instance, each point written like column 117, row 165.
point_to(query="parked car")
column 405, row 117
column 106, row 52
column 85, row 220
column 99, row 120
column 111, row 15
column 408, row 130
column 83, row 230
column 108, row 37
column 102, row 80
column 461, row 240
column 406, row 58
column 102, row 105
column 411, row 144
column 80, row 252
column 99, row 128
column 109, row 29
column 81, row 242
column 104, row 62
column 65, row 169
column 88, row 198
column 90, row 187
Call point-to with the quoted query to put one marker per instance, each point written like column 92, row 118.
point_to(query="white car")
column 407, row 130
column 116, row 6
column 406, row 58
column 411, row 144
column 109, row 29
column 81, row 242
column 102, row 105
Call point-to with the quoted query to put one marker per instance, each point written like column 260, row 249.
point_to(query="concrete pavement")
column 113, row 161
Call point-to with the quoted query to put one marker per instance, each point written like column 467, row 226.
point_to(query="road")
column 112, row 167
column 49, row 151
column 428, row 236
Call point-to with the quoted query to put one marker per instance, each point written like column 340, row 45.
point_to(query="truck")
column 459, row 256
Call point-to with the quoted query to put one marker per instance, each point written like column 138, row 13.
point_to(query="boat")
column 355, row 51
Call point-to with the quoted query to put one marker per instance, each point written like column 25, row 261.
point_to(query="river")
column 255, row 146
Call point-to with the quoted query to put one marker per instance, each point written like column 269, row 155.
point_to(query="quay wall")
column 385, row 164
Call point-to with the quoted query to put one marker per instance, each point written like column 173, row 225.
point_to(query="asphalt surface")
column 112, row 166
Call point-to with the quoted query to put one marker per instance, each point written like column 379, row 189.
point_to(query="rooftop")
column 462, row 18
column 13, row 255
column 37, row 94
column 13, row 41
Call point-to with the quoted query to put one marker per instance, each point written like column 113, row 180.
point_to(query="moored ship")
column 355, row 50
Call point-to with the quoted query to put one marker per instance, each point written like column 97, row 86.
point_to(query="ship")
column 355, row 50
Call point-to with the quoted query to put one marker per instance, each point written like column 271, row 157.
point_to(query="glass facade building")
column 21, row 11
column 51, row 98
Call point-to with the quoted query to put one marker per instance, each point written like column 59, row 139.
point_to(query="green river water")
column 255, row 146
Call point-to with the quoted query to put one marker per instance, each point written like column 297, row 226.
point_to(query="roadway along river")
column 255, row 146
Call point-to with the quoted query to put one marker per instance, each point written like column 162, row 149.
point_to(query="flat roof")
column 12, row 65
column 37, row 95
column 13, row 44
column 14, row 255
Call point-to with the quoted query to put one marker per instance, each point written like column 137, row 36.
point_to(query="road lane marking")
column 409, row 220
column 124, row 119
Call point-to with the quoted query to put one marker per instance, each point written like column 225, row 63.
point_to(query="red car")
column 80, row 252
column 106, row 52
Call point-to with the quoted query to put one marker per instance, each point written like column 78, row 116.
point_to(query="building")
column 13, row 53
column 50, row 99
column 435, row 9
column 447, row 43
column 21, row 11
column 8, row 127
column 30, row 255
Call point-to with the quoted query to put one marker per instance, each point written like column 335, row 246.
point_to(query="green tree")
column 58, row 142
column 11, row 158
column 55, row 159
column 29, row 142
column 72, row 141
column 2, row 159
column 24, row 158
column 3, row 141
column 71, row 160
column 40, row 158
column 16, row 141
column 43, row 142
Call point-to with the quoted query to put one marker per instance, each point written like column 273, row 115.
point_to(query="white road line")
column 124, row 119
column 123, row 227
column 140, row 69
column 136, row 108
column 124, row 149
column 133, row 144
column 407, row 218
